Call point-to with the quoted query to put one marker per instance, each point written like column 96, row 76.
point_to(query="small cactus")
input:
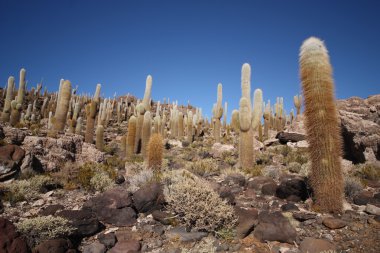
column 100, row 138
column 155, row 152
column 131, row 135
column 322, row 126
column 218, row 113
column 297, row 103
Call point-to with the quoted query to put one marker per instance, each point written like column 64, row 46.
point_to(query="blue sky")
column 188, row 46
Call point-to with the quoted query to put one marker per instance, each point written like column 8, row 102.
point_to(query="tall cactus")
column 16, row 105
column 235, row 121
column 297, row 103
column 155, row 152
column 322, row 126
column 146, row 131
column 5, row 116
column 139, row 125
column 218, row 113
column 62, row 106
column 131, row 136
column 147, row 93
column 91, row 110
column 100, row 137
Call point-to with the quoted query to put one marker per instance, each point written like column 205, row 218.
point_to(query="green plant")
column 322, row 126
column 43, row 228
column 141, row 178
column 89, row 170
column 226, row 234
column 369, row 171
column 101, row 181
column 197, row 205
column 255, row 171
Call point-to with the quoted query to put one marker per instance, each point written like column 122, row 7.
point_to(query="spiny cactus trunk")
column 146, row 132
column 63, row 106
column 8, row 99
column 100, row 138
column 131, row 136
column 155, row 152
column 323, row 130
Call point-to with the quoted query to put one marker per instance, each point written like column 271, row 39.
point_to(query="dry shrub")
column 203, row 166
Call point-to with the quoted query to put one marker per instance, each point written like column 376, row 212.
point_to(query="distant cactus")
column 5, row 116
column 190, row 126
column 16, row 105
column 139, row 126
column 78, row 127
column 322, row 126
column 131, row 135
column 147, row 94
column 146, row 132
column 267, row 115
column 155, row 152
column 235, row 121
column 62, row 106
column 297, row 103
column 218, row 113
column 97, row 93
column 91, row 110
column 100, row 138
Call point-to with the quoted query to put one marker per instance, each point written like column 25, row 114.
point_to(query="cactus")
column 139, row 125
column 147, row 93
column 297, row 103
column 218, row 113
column 91, row 110
column 5, row 116
column 322, row 126
column 97, row 93
column 16, row 105
column 155, row 152
column 146, row 132
column 78, row 127
column 100, row 137
column 62, row 106
column 190, row 126
column 267, row 115
column 131, row 136
column 235, row 121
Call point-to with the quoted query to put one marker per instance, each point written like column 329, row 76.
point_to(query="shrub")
column 255, row 171
column 43, row 228
column 90, row 170
column 203, row 166
column 21, row 190
column 101, row 182
column 298, row 155
column 352, row 187
column 272, row 172
column 294, row 167
column 370, row 172
column 141, row 178
column 198, row 206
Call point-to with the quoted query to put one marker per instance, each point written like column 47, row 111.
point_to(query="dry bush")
column 197, row 205
column 139, row 179
column 202, row 167
column 101, row 182
column 352, row 187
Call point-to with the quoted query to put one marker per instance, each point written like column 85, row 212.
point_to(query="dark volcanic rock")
column 149, row 198
column 55, row 245
column 128, row 246
column 113, row 207
column 10, row 160
column 247, row 220
column 289, row 207
column 285, row 137
column 292, row 187
column 312, row 245
column 304, row 216
column 363, row 198
column 10, row 239
column 50, row 210
column 257, row 182
column 107, row 240
column 84, row 221
column 274, row 227
column 269, row 189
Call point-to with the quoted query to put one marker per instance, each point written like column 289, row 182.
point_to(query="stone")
column 31, row 165
column 113, row 207
column 257, row 182
column 54, row 245
column 10, row 239
column 285, row 137
column 14, row 135
column 95, row 247
column 10, row 160
column 108, row 240
column 289, row 207
column 218, row 150
column 148, row 198
column 274, row 227
column 312, row 245
column 50, row 210
column 269, row 189
column 184, row 236
column 292, row 187
column 164, row 218
column 235, row 178
column 334, row 223
column 128, row 246
column 301, row 216
column 225, row 193
column 85, row 222
column 247, row 220
column 363, row 198
column 372, row 209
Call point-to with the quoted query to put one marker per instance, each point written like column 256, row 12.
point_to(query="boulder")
column 334, row 223
column 128, row 246
column 54, row 245
column 108, row 240
column 372, row 209
column 287, row 136
column 10, row 160
column 257, row 182
column 269, row 189
column 84, row 221
column 292, row 187
column 10, row 239
column 312, row 245
column 274, row 227
column 218, row 150
column 148, row 198
column 95, row 247
column 113, row 207
column 247, row 220
column 14, row 135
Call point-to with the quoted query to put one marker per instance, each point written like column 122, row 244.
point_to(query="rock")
column 301, row 216
column 183, row 235
column 54, row 245
column 95, row 247
column 371, row 209
column 312, row 245
column 108, row 240
column 247, row 220
column 289, row 207
column 274, row 227
column 10, row 161
column 269, row 189
column 10, row 239
column 31, row 165
column 14, row 135
column 271, row 142
column 113, row 207
column 84, row 221
column 218, row 150
column 174, row 143
column 235, row 178
column 50, row 210
column 334, row 223
column 2, row 134
column 292, row 187
column 225, row 193
column 285, row 137
column 299, row 144
column 164, row 218
column 257, row 182
column 363, row 198
column 149, row 198
column 39, row 202
column 129, row 246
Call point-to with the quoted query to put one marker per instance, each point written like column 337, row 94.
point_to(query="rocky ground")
column 271, row 203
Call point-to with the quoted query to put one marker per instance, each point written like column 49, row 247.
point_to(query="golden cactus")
column 100, row 137
column 155, row 152
column 322, row 126
column 146, row 131
column 131, row 136
column 62, row 106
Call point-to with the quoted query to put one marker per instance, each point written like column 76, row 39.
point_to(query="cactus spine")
column 323, row 130
column 8, row 99
column 62, row 106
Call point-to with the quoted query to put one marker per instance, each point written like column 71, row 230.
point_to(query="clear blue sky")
column 188, row 46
